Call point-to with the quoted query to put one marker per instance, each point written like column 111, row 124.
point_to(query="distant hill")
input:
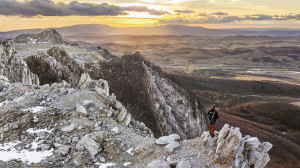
column 99, row 29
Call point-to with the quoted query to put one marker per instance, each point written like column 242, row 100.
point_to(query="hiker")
column 213, row 116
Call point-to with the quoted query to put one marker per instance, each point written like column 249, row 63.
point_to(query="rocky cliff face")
column 13, row 67
column 151, row 97
column 50, row 36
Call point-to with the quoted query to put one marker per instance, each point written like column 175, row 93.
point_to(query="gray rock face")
column 152, row 98
column 184, row 164
column 176, row 109
column 63, row 150
column 13, row 67
column 89, row 143
column 230, row 148
column 51, row 36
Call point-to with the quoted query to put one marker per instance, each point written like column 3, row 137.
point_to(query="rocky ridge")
column 49, row 36
column 74, row 119
column 86, row 126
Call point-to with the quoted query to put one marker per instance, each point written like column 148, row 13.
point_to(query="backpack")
column 211, row 115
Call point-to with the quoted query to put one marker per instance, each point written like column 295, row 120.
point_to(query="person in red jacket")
column 213, row 116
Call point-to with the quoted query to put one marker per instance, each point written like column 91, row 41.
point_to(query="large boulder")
column 227, row 144
column 165, row 140
column 158, row 164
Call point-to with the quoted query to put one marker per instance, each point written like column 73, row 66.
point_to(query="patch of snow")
column 106, row 165
column 129, row 151
column 34, row 109
column 86, row 102
column 8, row 152
column 4, row 103
column 127, row 163
column 8, row 145
column 32, row 131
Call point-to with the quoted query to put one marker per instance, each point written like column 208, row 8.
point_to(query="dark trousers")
column 212, row 128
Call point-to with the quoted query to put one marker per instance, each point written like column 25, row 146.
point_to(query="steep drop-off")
column 151, row 97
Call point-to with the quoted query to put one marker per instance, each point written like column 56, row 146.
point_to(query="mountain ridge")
column 101, row 29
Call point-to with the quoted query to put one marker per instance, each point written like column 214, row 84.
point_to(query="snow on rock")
column 130, row 151
column 34, row 109
column 4, row 102
column 106, row 165
column 127, row 164
column 8, row 152
column 32, row 131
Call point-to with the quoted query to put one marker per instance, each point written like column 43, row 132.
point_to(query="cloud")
column 144, row 9
column 184, row 11
column 31, row 8
column 213, row 18
column 219, row 13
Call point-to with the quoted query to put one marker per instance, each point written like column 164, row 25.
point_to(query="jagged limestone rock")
column 231, row 149
column 4, row 82
column 227, row 144
column 13, row 67
column 84, row 81
column 55, row 66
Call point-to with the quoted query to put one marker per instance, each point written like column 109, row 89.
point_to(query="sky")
column 219, row 14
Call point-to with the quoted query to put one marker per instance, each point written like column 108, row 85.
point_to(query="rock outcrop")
column 231, row 149
column 50, row 36
column 151, row 97
column 118, row 111
column 55, row 66
column 13, row 67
